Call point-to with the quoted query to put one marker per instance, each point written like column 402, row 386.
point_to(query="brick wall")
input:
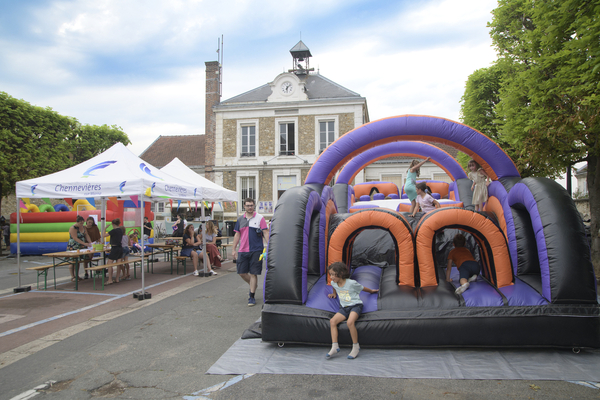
column 265, row 185
column 229, row 138
column 304, row 174
column 306, row 134
column 212, row 98
column 229, row 182
column 346, row 123
column 266, row 137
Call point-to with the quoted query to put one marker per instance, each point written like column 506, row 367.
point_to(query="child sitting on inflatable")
column 464, row 261
column 424, row 200
column 350, row 305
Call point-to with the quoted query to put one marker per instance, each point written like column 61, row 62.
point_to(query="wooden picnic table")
column 167, row 249
column 61, row 259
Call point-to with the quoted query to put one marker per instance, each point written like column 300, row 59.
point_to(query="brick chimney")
column 213, row 97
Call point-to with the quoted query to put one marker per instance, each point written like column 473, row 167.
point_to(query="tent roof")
column 115, row 172
column 210, row 190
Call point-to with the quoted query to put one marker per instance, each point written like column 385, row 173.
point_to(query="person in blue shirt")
column 348, row 291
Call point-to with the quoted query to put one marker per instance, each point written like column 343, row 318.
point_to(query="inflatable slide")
column 536, row 287
column 45, row 229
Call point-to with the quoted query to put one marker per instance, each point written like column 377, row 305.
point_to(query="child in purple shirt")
column 424, row 200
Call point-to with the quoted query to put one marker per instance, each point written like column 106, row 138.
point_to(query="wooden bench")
column 224, row 247
column 99, row 269
column 43, row 270
column 167, row 254
column 183, row 261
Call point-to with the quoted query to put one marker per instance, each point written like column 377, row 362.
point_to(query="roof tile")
column 189, row 149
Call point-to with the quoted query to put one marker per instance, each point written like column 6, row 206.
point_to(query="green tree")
column 36, row 141
column 547, row 108
column 478, row 104
column 92, row 140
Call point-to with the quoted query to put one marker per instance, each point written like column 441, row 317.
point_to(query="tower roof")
column 300, row 51
column 317, row 88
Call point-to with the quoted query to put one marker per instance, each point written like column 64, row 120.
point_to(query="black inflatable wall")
column 285, row 278
column 564, row 240
column 340, row 192
column 314, row 265
column 527, row 256
column 463, row 186
column 373, row 247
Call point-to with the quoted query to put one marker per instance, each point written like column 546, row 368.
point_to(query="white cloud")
column 416, row 60
column 140, row 64
column 447, row 16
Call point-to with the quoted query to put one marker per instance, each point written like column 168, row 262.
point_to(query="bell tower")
column 301, row 55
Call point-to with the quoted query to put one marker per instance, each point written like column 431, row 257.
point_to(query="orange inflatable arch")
column 496, row 261
column 342, row 239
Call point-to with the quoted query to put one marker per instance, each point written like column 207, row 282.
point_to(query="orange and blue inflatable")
column 43, row 231
column 536, row 272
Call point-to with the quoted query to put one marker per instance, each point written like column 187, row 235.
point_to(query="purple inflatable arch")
column 438, row 157
column 492, row 158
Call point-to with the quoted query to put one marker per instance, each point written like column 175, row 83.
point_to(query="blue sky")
column 140, row 64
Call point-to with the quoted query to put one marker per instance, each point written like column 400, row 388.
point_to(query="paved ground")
column 107, row 344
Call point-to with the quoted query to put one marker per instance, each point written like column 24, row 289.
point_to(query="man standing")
column 147, row 228
column 250, row 232
column 6, row 233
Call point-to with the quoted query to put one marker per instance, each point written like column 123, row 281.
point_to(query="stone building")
column 264, row 141
column 267, row 138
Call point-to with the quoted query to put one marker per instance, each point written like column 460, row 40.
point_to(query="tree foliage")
column 549, row 53
column 544, row 110
column 36, row 141
column 482, row 95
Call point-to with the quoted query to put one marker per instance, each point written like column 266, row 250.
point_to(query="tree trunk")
column 593, row 182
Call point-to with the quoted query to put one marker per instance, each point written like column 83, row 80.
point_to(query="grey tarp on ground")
column 254, row 356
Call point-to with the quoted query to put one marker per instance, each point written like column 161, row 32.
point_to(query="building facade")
column 267, row 139
column 264, row 141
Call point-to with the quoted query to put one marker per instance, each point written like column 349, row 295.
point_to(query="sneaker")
column 462, row 288
column 473, row 278
column 251, row 301
column 212, row 272
column 85, row 276
column 196, row 273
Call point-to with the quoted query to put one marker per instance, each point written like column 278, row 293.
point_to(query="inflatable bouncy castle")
column 536, row 287
column 45, row 229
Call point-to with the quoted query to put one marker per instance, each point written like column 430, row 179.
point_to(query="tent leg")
column 205, row 252
column 20, row 288
column 143, row 295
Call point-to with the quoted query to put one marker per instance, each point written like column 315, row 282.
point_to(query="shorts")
column 468, row 269
column 126, row 251
column 187, row 251
column 116, row 253
column 345, row 311
column 249, row 263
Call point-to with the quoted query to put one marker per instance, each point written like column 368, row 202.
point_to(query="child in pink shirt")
column 424, row 200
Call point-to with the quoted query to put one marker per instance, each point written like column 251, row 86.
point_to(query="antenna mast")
column 220, row 61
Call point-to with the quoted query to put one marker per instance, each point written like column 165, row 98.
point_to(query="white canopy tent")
column 117, row 172
column 210, row 190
